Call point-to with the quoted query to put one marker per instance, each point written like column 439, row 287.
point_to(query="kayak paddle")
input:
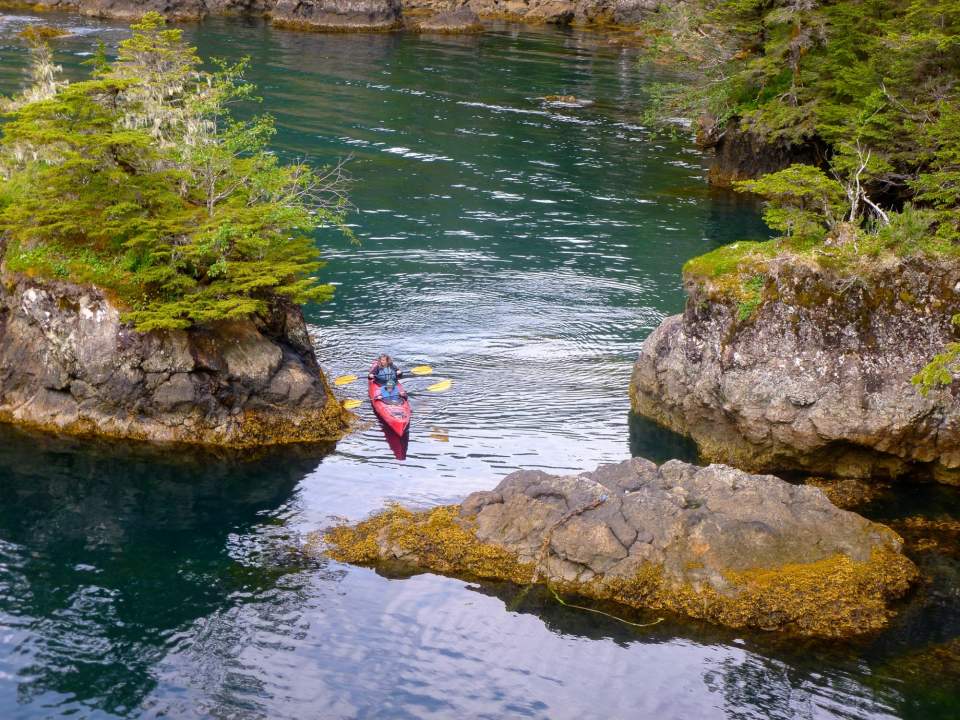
column 351, row 404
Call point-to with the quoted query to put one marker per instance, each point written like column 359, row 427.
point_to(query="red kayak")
column 396, row 416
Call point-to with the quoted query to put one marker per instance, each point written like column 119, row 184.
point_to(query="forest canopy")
column 140, row 180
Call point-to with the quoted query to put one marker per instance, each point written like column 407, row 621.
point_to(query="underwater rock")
column 565, row 101
column 710, row 542
column 69, row 364
column 813, row 373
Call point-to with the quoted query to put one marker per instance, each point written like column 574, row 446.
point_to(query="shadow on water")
column 109, row 552
column 657, row 443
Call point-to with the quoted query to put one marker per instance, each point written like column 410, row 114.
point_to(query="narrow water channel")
column 524, row 252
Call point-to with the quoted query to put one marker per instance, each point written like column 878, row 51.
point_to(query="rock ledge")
column 713, row 543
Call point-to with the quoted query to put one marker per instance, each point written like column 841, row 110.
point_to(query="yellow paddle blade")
column 440, row 386
column 351, row 404
column 344, row 379
column 421, row 370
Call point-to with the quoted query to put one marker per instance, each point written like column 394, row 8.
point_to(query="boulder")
column 814, row 374
column 337, row 15
column 710, row 542
column 69, row 363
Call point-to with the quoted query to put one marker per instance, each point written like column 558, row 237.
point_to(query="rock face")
column 817, row 378
column 739, row 154
column 337, row 15
column 68, row 363
column 714, row 543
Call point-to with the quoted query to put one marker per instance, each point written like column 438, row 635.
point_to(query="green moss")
column 729, row 261
column 834, row 597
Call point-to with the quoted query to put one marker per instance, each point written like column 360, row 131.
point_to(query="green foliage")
column 801, row 200
column 139, row 180
column 879, row 73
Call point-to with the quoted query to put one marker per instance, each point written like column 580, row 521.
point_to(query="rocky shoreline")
column 712, row 543
column 70, row 365
column 368, row 15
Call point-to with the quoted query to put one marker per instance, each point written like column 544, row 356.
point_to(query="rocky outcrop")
column 451, row 22
column 68, row 363
column 337, row 15
column 813, row 373
column 561, row 12
column 709, row 542
column 365, row 15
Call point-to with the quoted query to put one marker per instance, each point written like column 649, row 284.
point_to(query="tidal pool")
column 522, row 250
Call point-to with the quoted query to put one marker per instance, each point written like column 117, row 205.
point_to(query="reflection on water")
column 524, row 252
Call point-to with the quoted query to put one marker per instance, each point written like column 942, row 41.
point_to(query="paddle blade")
column 440, row 386
column 344, row 379
column 351, row 404
column 421, row 370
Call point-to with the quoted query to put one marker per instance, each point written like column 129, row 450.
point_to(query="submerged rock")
column 813, row 373
column 709, row 542
column 68, row 363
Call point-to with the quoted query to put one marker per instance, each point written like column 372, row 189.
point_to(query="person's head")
column 391, row 385
column 384, row 360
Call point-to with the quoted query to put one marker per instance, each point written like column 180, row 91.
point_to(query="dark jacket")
column 383, row 374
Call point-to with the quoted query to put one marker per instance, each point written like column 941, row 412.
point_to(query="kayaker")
column 390, row 393
column 384, row 370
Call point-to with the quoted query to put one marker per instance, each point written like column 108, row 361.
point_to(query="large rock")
column 713, row 543
column 452, row 22
column 817, row 378
column 68, row 363
column 337, row 15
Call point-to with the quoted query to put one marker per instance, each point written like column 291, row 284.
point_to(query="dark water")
column 524, row 252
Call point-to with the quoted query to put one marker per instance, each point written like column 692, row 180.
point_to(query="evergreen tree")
column 140, row 181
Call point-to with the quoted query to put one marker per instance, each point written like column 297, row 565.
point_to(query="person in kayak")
column 391, row 394
column 383, row 371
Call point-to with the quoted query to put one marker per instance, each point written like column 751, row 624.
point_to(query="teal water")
column 524, row 252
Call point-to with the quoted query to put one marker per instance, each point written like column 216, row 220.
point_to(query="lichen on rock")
column 713, row 543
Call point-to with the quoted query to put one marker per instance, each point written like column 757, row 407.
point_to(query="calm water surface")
column 524, row 252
